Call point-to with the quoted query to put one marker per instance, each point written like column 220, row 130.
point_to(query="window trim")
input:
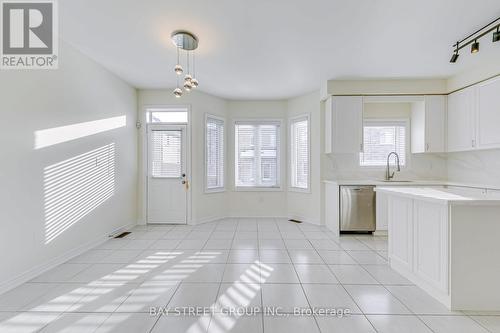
column 259, row 121
column 215, row 189
column 304, row 116
column 382, row 121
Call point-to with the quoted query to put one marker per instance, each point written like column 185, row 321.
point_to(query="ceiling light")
column 473, row 39
column 455, row 55
column 475, row 47
column 178, row 92
column 496, row 35
column 188, row 42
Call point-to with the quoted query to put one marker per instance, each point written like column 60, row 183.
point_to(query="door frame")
column 144, row 127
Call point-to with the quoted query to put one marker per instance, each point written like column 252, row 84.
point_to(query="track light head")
column 496, row 35
column 454, row 57
column 475, row 47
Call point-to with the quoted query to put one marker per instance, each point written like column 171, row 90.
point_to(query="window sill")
column 257, row 189
column 299, row 190
column 214, row 190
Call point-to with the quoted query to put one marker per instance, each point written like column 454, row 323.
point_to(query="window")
column 174, row 115
column 167, row 153
column 299, row 152
column 257, row 154
column 381, row 138
column 214, row 153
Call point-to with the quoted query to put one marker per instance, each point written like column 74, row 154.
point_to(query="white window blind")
column 166, row 153
column 214, row 153
column 299, row 152
column 257, row 154
column 382, row 138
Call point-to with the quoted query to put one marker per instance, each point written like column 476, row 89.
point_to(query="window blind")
column 166, row 153
column 214, row 153
column 299, row 151
column 382, row 138
column 257, row 154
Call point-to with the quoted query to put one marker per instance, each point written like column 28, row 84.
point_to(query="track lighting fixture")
column 185, row 41
column 455, row 55
column 473, row 39
column 496, row 35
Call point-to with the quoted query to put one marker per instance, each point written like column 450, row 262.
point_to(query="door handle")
column 186, row 184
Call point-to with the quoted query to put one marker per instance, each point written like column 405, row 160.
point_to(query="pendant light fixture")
column 185, row 41
column 473, row 39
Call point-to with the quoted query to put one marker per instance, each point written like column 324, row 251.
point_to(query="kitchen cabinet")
column 343, row 124
column 461, row 120
column 444, row 240
column 381, row 212
column 428, row 125
column 488, row 114
column 400, row 249
column 430, row 243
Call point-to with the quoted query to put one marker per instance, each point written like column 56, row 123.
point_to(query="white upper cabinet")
column 428, row 125
column 488, row 114
column 343, row 124
column 461, row 120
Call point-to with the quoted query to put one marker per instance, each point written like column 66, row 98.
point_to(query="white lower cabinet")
column 400, row 233
column 418, row 243
column 430, row 243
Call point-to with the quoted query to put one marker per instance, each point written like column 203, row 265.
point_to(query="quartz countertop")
column 444, row 195
column 408, row 183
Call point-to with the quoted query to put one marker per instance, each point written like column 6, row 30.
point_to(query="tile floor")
column 231, row 264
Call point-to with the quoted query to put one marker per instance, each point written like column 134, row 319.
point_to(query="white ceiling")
column 273, row 49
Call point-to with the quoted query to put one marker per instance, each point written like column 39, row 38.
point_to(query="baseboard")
column 304, row 219
column 205, row 220
column 42, row 268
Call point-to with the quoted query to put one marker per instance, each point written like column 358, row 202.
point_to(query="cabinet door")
column 431, row 243
column 328, row 126
column 461, row 123
column 347, row 118
column 435, row 124
column 381, row 212
column 332, row 204
column 488, row 114
column 400, row 216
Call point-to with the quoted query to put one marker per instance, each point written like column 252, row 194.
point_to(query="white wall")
column 205, row 206
column 420, row 166
column 30, row 101
column 261, row 203
column 307, row 206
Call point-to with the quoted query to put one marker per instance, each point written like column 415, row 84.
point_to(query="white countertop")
column 443, row 195
column 417, row 182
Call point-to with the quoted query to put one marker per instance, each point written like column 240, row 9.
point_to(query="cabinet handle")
column 426, row 147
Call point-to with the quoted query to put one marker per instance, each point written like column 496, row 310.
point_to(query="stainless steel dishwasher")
column 357, row 208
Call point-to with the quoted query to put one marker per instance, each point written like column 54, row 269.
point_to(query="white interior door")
column 167, row 174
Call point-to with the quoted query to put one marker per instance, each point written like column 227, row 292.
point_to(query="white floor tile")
column 207, row 273
column 305, row 257
column 290, row 324
column 182, row 324
column 76, row 323
column 271, row 244
column 315, row 274
column 398, row 323
column 103, row 297
column 287, row 297
column 385, row 275
column 239, row 295
column 91, row 257
column 298, row 244
column 196, row 294
column 222, row 323
column 325, row 244
column 148, row 294
column 376, row 300
column 127, row 323
column 165, row 244
column 61, row 273
column 16, row 298
column 329, row 296
column 418, row 301
column 274, row 257
column 351, row 324
column 59, row 299
column 280, row 273
column 367, row 257
column 452, row 324
column 352, row 274
column 121, row 257
column 218, row 244
column 243, row 256
column 491, row 323
column 337, row 257
column 249, row 273
column 25, row 322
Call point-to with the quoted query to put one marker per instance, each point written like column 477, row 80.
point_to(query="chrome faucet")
column 388, row 174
